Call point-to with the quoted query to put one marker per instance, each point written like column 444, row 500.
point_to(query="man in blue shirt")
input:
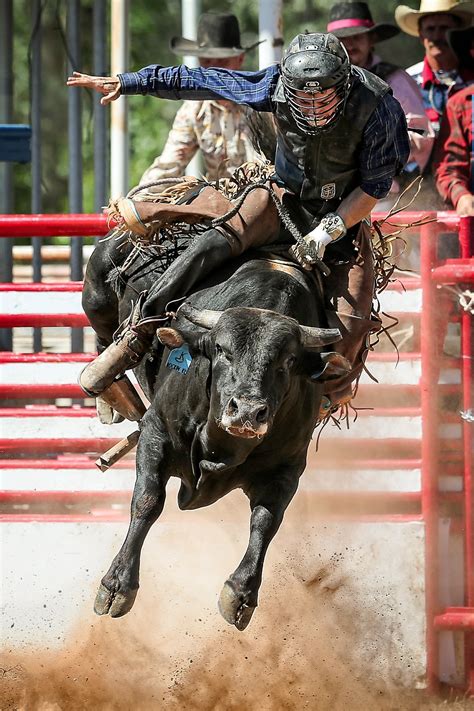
column 341, row 138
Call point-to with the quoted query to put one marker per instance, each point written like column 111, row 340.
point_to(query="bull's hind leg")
column 119, row 587
column 239, row 596
column 100, row 300
column 101, row 306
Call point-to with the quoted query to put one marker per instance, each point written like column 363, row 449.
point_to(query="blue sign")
column 179, row 359
column 15, row 140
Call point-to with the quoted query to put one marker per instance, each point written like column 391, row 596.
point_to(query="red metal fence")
column 452, row 272
column 434, row 454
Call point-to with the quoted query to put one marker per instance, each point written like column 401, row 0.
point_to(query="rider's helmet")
column 316, row 72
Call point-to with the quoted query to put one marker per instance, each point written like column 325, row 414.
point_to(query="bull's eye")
column 287, row 364
column 221, row 352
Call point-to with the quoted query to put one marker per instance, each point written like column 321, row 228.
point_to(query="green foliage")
column 151, row 26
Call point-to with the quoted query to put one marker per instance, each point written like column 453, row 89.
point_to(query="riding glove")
column 330, row 229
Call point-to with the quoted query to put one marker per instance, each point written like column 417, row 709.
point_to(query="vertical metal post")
column 466, row 241
column 36, row 202
column 471, row 161
column 190, row 11
column 119, row 109
column 75, row 153
column 270, row 29
column 430, row 446
column 100, row 36
column 6, row 174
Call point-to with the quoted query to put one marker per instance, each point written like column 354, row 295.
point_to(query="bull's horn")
column 201, row 317
column 313, row 337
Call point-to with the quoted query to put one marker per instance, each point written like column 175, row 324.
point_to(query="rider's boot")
column 135, row 337
column 122, row 397
column 354, row 346
column 331, row 403
column 131, row 342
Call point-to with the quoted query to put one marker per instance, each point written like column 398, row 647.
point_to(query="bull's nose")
column 247, row 410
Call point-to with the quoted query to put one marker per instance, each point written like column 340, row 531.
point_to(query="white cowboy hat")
column 407, row 18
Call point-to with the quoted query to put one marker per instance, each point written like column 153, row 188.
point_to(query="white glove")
column 317, row 239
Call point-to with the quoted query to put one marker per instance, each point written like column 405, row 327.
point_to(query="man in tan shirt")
column 218, row 129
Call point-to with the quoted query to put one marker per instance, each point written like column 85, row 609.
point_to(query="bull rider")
column 341, row 137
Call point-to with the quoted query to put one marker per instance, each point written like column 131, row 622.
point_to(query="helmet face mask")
column 315, row 111
column 315, row 73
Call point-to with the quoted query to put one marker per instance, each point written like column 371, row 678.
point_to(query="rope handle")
column 284, row 217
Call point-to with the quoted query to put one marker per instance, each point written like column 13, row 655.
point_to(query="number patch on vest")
column 179, row 359
column 328, row 191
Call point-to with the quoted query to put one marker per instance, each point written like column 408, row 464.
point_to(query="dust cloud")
column 315, row 642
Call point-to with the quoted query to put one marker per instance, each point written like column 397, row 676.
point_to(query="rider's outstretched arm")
column 255, row 89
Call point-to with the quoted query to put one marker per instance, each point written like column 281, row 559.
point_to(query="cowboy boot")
column 132, row 340
column 123, row 399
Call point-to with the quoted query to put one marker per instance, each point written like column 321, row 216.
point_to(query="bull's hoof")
column 233, row 608
column 116, row 604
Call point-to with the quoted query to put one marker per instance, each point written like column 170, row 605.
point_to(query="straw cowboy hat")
column 347, row 19
column 408, row 19
column 218, row 36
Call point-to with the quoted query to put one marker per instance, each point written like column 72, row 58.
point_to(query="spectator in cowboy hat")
column 352, row 23
column 454, row 156
column 218, row 128
column 440, row 72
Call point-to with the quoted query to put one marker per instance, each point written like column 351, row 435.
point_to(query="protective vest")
column 322, row 170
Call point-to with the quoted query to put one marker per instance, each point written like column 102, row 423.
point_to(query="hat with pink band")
column 347, row 19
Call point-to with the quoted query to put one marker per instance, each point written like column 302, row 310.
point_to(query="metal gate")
column 442, row 451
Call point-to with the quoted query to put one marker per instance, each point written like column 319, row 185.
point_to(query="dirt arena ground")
column 311, row 643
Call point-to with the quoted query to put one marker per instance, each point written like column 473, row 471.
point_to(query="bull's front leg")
column 119, row 587
column 239, row 596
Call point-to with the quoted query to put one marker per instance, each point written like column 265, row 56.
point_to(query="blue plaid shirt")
column 385, row 147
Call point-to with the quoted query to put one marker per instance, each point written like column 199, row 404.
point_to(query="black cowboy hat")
column 347, row 19
column 460, row 41
column 218, row 36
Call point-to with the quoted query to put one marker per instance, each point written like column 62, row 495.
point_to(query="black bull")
column 242, row 415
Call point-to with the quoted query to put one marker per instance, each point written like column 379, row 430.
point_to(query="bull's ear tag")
column 179, row 359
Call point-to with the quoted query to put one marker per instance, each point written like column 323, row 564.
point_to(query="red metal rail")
column 8, row 357
column 39, row 320
column 56, row 444
column 81, row 225
column 366, row 396
column 53, row 225
column 65, row 462
column 38, row 391
column 42, row 287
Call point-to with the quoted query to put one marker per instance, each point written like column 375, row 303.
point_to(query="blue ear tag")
column 179, row 359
